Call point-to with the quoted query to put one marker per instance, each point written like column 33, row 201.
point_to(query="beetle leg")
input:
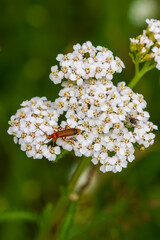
column 67, row 127
column 67, row 140
column 54, row 139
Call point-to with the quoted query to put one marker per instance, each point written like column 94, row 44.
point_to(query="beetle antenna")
column 36, row 125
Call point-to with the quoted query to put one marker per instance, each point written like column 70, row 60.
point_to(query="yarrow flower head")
column 106, row 122
column 85, row 62
column 146, row 47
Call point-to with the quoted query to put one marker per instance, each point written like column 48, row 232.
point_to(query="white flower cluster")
column 147, row 45
column 154, row 27
column 85, row 62
column 31, row 125
column 111, row 119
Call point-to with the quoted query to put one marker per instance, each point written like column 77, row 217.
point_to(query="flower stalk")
column 140, row 73
column 65, row 206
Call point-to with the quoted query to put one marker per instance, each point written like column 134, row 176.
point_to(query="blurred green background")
column 125, row 205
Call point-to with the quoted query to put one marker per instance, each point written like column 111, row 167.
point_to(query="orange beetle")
column 67, row 132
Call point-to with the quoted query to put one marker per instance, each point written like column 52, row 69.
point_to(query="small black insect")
column 134, row 121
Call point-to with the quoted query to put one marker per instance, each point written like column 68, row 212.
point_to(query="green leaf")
column 18, row 215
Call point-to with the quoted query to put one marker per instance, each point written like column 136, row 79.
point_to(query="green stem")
column 63, row 233
column 136, row 68
column 83, row 164
column 59, row 211
column 61, row 155
column 139, row 74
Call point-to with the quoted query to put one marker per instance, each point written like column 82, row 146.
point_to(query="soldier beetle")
column 67, row 132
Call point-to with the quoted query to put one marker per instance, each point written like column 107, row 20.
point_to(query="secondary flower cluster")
column 86, row 61
column 31, row 125
column 146, row 47
column 111, row 119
